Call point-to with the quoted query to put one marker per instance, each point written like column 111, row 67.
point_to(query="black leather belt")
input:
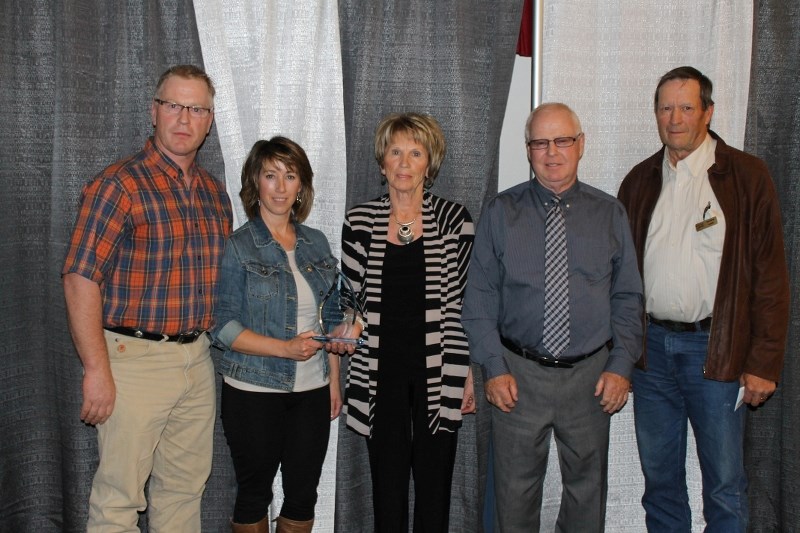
column 546, row 360
column 183, row 338
column 682, row 327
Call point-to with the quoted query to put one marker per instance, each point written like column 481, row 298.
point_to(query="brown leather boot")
column 262, row 526
column 285, row 525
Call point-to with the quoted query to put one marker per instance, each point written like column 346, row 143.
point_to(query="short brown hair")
column 423, row 129
column 290, row 154
column 190, row 72
column 688, row 73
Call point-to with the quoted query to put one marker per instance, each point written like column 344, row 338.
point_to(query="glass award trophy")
column 349, row 306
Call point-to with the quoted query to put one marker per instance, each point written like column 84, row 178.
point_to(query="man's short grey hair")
column 545, row 107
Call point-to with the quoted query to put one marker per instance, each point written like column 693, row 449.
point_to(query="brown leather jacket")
column 751, row 309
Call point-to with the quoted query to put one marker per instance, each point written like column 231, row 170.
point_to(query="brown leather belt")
column 546, row 360
column 182, row 338
column 681, row 327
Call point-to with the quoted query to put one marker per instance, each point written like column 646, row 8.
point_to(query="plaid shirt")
column 153, row 246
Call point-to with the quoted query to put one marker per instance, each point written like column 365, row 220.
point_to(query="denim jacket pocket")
column 262, row 280
column 324, row 264
column 326, row 267
column 320, row 272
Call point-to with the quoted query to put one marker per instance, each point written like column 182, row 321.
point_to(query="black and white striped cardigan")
column 447, row 242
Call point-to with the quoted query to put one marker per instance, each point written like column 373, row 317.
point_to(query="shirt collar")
column 165, row 163
column 546, row 196
column 696, row 163
column 263, row 237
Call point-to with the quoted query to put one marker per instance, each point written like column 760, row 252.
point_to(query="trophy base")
column 325, row 339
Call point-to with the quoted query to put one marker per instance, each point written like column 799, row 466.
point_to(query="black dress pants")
column 402, row 444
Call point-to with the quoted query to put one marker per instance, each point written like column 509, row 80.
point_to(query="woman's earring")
column 299, row 199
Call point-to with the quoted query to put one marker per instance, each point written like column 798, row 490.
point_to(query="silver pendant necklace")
column 404, row 232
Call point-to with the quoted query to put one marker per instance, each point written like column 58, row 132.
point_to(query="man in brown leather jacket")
column 706, row 226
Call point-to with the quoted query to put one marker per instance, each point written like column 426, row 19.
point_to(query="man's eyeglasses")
column 560, row 142
column 173, row 108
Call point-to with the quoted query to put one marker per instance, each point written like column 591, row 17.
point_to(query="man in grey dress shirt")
column 535, row 392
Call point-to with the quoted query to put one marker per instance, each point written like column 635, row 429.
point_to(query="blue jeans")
column 672, row 391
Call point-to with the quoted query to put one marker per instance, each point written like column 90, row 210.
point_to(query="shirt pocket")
column 591, row 262
column 262, row 280
column 590, row 281
column 708, row 242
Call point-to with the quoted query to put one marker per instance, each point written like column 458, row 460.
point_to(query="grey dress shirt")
column 505, row 286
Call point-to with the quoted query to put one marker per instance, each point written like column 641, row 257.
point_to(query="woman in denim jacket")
column 281, row 389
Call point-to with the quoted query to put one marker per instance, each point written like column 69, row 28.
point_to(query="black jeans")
column 265, row 430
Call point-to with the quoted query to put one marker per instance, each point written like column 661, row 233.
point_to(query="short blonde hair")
column 424, row 129
column 189, row 72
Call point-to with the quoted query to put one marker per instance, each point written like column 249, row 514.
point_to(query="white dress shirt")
column 681, row 263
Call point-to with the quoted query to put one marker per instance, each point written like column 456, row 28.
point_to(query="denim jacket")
column 257, row 292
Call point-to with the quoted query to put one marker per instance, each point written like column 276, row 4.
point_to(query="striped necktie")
column 555, row 336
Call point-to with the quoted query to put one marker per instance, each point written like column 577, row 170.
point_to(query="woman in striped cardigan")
column 406, row 254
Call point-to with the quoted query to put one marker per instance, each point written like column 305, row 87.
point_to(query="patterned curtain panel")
column 77, row 82
column 773, row 130
column 604, row 59
column 278, row 70
column 452, row 60
column 277, row 67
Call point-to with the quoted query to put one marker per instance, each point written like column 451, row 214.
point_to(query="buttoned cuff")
column 620, row 365
column 494, row 366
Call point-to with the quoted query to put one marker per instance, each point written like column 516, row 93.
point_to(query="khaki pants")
column 161, row 428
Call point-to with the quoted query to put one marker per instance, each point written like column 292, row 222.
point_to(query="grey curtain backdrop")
column 773, row 133
column 77, row 79
column 454, row 61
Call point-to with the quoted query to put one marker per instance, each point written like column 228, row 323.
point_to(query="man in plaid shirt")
column 140, row 283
